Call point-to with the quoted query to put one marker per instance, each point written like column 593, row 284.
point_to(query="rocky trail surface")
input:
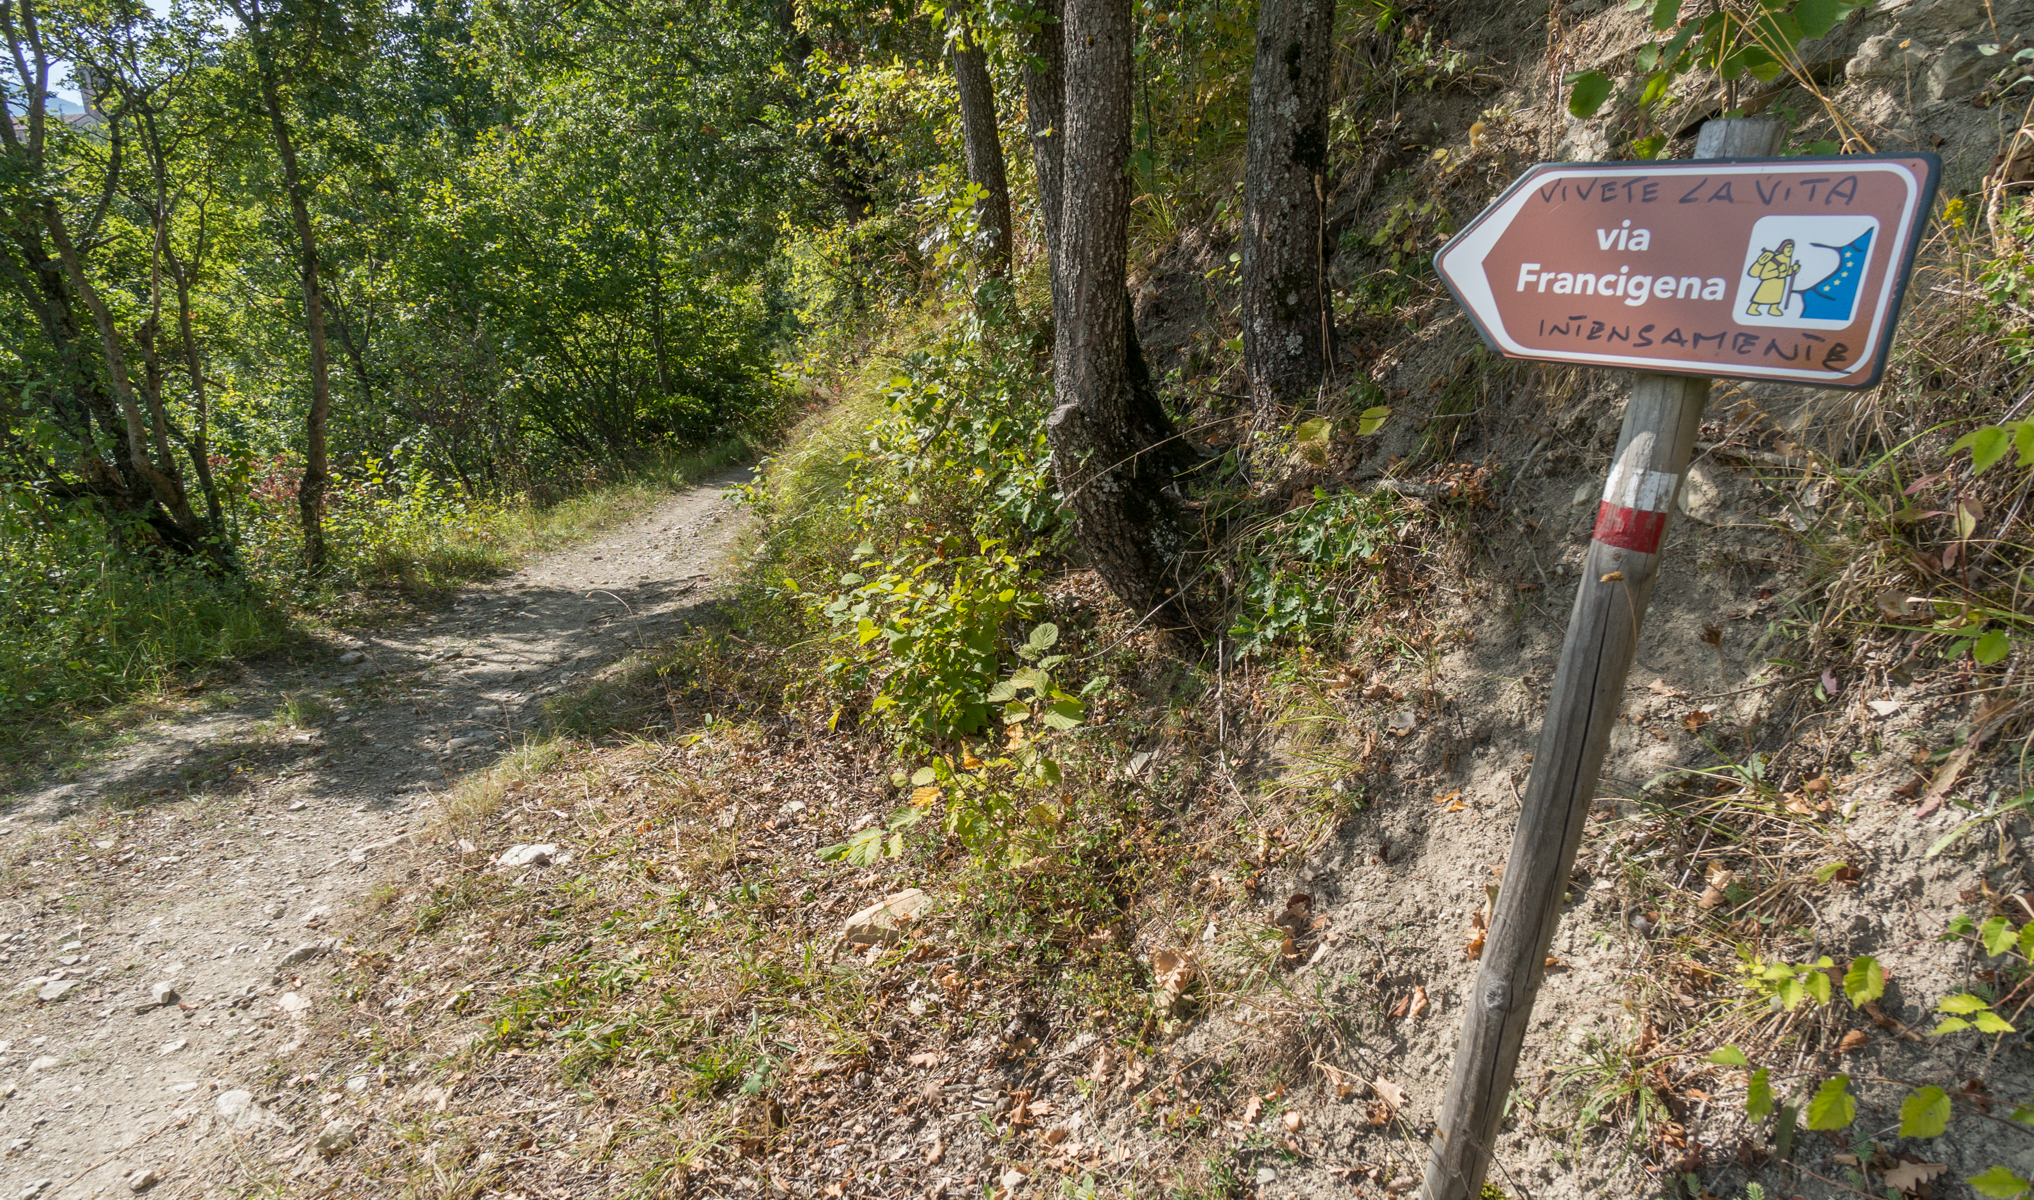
column 164, row 917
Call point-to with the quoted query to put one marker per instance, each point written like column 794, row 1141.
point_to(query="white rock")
column 887, row 920
column 275, row 911
column 142, row 1179
column 1884, row 708
column 241, row 1114
column 36, row 1189
column 303, row 953
column 57, row 989
column 318, row 915
column 173, row 1047
column 294, row 1004
column 336, row 1136
column 164, row 993
column 357, row 1084
column 350, row 657
column 533, row 855
column 44, row 1063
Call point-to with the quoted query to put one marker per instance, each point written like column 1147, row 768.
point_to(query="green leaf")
column 1317, row 430
column 1044, row 636
column 1818, row 17
column 1587, row 93
column 1817, row 983
column 1665, row 13
column 1924, row 1113
column 1991, row 1022
column 1959, row 925
column 1371, row 420
column 1865, row 981
column 1729, row 1056
column 1824, row 874
column 1783, row 1131
column 830, row 853
column 1832, row 1106
column 1003, row 692
column 1998, row 935
column 924, row 777
column 2026, row 943
column 1962, row 1004
column 1758, row 1096
column 1065, row 714
column 1951, row 1025
column 2023, row 441
column 1990, row 648
column 1987, row 445
column 1998, row 1183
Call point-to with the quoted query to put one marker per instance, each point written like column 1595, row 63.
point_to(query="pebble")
column 304, row 953
column 336, row 1136
column 533, row 855
column 275, row 911
column 164, row 993
column 57, row 989
column 142, row 1179
column 239, row 1111
column 36, row 1189
column 173, row 1047
column 350, row 657
column 318, row 915
column 44, row 1063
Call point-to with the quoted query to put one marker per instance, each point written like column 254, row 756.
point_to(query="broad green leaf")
column 1962, row 1004
column 1998, row 935
column 1729, row 1056
column 1832, row 1106
column 1865, row 981
column 1002, row 693
column 1320, row 429
column 1587, row 93
column 1959, row 925
column 1924, row 1113
column 1758, row 1096
column 1986, row 445
column 1950, row 1025
column 1998, row 1183
column 1371, row 420
column 1818, row 17
column 1665, row 13
column 1991, row 1022
column 1065, row 714
column 1783, row 1131
column 1792, row 992
column 1992, row 647
column 2023, row 441
column 924, row 776
column 2026, row 943
column 1044, row 636
column 1817, row 983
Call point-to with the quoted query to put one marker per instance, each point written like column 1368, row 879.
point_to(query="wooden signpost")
column 1782, row 269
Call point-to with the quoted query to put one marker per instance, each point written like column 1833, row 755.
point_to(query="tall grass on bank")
column 84, row 626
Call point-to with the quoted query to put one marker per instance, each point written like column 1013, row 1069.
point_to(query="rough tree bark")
column 1285, row 331
column 1107, row 443
column 984, row 147
column 310, row 493
column 1045, row 114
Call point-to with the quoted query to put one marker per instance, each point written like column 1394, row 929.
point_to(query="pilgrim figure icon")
column 1775, row 270
column 1806, row 272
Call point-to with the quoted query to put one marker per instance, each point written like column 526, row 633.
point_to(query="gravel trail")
column 169, row 919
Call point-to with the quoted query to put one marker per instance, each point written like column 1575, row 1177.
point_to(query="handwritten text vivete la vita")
column 1633, row 288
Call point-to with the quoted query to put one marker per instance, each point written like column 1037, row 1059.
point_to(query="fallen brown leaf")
column 1252, row 1109
column 1474, row 950
column 1694, row 720
column 1910, row 1176
column 1293, row 1121
column 1389, row 1092
column 926, row 1058
column 1856, row 1039
column 1398, row 1010
column 1419, row 1004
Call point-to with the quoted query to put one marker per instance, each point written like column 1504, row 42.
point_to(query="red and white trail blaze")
column 1633, row 514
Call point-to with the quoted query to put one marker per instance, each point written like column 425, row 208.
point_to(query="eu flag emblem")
column 1834, row 296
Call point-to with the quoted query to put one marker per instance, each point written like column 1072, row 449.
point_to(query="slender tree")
column 262, row 34
column 1045, row 114
column 1286, row 335
column 1111, row 442
column 984, row 143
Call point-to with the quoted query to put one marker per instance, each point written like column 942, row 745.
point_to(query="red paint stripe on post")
column 1629, row 528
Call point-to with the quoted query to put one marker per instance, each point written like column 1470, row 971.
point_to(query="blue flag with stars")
column 1834, row 297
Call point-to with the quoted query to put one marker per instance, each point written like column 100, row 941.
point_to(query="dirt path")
column 216, row 854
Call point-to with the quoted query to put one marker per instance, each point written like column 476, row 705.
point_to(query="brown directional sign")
column 1785, row 269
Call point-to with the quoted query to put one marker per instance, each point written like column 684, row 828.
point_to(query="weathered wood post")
column 1660, row 424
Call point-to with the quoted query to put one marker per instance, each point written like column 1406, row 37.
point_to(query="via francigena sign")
column 1784, row 269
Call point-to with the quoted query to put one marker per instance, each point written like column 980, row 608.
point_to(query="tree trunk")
column 984, row 144
column 1045, row 117
column 311, row 492
column 1132, row 529
column 1286, row 350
